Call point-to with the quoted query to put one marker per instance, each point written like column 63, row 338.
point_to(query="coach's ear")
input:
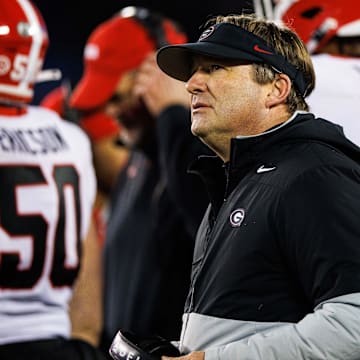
column 279, row 90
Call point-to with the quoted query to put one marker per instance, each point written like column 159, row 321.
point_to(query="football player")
column 47, row 190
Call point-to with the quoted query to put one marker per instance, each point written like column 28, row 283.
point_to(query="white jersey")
column 47, row 190
column 337, row 92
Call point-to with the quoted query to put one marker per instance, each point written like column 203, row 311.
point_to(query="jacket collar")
column 246, row 151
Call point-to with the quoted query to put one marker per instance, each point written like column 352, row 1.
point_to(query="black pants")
column 55, row 349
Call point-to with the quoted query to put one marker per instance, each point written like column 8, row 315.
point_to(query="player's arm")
column 86, row 304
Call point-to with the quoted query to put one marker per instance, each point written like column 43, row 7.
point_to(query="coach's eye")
column 214, row 67
column 206, row 69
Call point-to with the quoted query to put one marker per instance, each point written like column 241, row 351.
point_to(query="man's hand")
column 157, row 89
column 195, row 355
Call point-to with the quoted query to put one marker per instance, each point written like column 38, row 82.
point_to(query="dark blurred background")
column 70, row 22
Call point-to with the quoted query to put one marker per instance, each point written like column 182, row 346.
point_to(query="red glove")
column 98, row 125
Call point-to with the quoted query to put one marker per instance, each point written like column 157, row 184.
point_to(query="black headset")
column 152, row 21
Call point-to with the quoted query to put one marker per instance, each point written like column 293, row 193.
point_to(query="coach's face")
column 226, row 101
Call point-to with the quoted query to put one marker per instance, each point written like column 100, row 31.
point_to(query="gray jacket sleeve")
column 331, row 332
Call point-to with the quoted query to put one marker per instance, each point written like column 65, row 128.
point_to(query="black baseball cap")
column 228, row 42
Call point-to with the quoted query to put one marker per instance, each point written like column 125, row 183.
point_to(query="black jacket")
column 282, row 233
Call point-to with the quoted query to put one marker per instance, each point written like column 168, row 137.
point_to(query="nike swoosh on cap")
column 263, row 169
column 260, row 50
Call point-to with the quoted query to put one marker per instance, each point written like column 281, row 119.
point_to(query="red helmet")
column 23, row 44
column 317, row 21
